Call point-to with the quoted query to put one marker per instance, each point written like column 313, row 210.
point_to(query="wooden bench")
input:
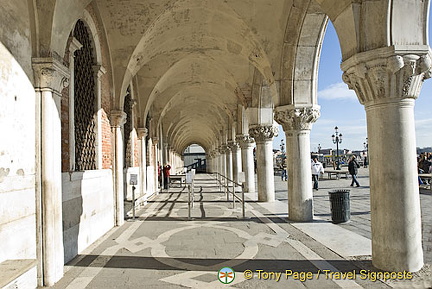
column 336, row 173
column 181, row 179
column 427, row 177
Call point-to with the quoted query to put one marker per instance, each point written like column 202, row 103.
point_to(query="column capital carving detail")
column 233, row 145
column 226, row 147
column 155, row 140
column 387, row 73
column 296, row 118
column 245, row 140
column 50, row 73
column 142, row 132
column 117, row 118
column 263, row 132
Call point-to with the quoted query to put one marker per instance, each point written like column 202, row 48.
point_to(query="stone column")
column 387, row 82
column 155, row 142
column 99, row 71
column 142, row 134
column 236, row 159
column 74, row 46
column 246, row 145
column 228, row 162
column 50, row 78
column 263, row 135
column 297, row 123
column 166, row 155
column 209, row 162
column 118, row 119
column 222, row 160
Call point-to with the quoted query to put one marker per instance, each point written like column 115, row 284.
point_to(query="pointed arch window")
column 84, row 101
column 128, row 127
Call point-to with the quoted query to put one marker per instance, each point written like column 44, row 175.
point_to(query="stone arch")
column 299, row 69
column 367, row 25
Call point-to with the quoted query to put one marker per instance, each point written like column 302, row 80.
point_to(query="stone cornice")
column 390, row 73
column 50, row 73
column 263, row 132
column 296, row 118
column 117, row 118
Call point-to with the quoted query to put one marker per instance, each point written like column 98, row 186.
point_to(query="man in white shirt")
column 317, row 169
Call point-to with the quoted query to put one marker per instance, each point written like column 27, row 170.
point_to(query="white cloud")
column 337, row 91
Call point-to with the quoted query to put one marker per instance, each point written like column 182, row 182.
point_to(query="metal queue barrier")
column 229, row 188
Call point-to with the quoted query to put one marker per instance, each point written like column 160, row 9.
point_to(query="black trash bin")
column 340, row 206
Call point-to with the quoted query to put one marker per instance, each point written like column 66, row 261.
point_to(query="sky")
column 340, row 106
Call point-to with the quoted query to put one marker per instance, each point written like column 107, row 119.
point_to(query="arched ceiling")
column 193, row 62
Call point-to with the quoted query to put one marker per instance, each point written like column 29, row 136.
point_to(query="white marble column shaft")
column 142, row 134
column 296, row 122
column 118, row 119
column 387, row 82
column 248, row 166
column 228, row 163
column 50, row 78
column 263, row 136
column 236, row 158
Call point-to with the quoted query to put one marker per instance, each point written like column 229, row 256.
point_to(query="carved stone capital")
column 99, row 70
column 50, row 73
column 233, row 145
column 155, row 140
column 263, row 133
column 117, row 118
column 226, row 148
column 387, row 73
column 245, row 141
column 296, row 118
column 221, row 149
column 142, row 132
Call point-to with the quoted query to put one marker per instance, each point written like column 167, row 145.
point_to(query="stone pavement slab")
column 162, row 249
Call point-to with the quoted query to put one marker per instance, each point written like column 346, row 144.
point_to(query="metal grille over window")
column 128, row 104
column 84, row 102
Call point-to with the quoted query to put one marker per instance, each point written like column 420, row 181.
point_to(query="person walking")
column 317, row 169
column 353, row 170
column 283, row 167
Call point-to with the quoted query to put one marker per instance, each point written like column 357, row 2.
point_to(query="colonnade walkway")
column 161, row 248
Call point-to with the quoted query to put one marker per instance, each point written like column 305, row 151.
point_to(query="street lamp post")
column 366, row 147
column 337, row 139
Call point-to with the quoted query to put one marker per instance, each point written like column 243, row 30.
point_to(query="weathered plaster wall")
column 17, row 161
column 88, row 209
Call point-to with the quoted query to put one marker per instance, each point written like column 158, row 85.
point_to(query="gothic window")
column 84, row 101
column 128, row 145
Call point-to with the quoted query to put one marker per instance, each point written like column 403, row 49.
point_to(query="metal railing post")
column 243, row 202
column 133, row 202
column 189, row 202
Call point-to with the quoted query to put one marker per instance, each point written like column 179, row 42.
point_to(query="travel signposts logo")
column 226, row 275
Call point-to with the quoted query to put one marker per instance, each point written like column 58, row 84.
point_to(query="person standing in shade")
column 353, row 170
column 317, row 169
column 166, row 173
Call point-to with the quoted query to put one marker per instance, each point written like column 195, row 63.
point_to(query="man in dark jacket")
column 353, row 170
